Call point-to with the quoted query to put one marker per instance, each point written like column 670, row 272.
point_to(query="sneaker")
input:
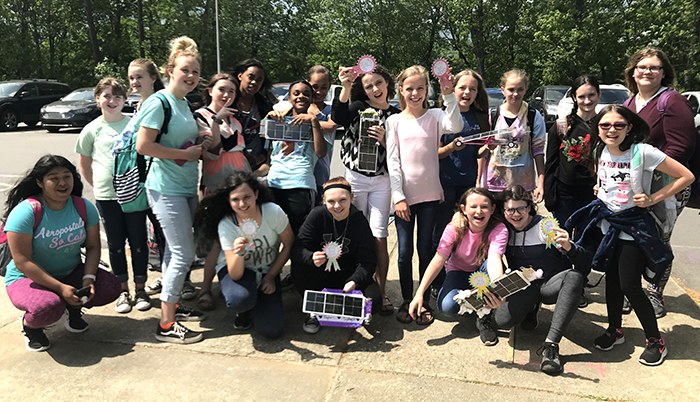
column 74, row 320
column 626, row 306
column 177, row 333
column 487, row 335
column 189, row 292
column 184, row 313
column 551, row 362
column 657, row 301
column 243, row 321
column 141, row 300
column 123, row 304
column 530, row 323
column 155, row 287
column 583, row 301
column 34, row 338
column 654, row 353
column 311, row 325
column 608, row 340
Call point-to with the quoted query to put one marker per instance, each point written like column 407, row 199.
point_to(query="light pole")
column 218, row 53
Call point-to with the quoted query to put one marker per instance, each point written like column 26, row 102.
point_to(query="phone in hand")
column 83, row 294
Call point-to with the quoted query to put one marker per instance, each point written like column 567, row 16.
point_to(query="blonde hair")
column 152, row 71
column 514, row 73
column 182, row 46
column 410, row 72
column 118, row 88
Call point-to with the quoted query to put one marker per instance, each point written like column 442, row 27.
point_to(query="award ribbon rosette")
column 249, row 228
column 365, row 65
column 547, row 226
column 333, row 252
column 441, row 71
column 480, row 281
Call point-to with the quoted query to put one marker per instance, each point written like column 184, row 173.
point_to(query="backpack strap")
column 637, row 169
column 38, row 209
column 493, row 116
column 627, row 102
column 562, row 127
column 79, row 203
column 167, row 114
column 531, row 112
column 663, row 101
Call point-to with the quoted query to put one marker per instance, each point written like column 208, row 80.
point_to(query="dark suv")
column 546, row 101
column 21, row 100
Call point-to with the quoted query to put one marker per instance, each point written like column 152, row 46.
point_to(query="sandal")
column 403, row 315
column 206, row 301
column 425, row 318
column 387, row 308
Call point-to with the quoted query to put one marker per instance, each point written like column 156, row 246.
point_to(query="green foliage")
column 553, row 40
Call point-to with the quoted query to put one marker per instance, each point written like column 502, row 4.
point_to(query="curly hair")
column 214, row 207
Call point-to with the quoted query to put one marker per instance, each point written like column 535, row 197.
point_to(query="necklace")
column 339, row 239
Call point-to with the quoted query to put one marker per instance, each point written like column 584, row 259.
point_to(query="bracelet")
column 89, row 276
column 217, row 120
column 240, row 255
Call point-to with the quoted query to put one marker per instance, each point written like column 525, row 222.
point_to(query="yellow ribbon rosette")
column 479, row 281
column 547, row 226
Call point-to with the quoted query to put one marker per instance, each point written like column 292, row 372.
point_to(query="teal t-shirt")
column 57, row 239
column 97, row 141
column 166, row 176
column 295, row 170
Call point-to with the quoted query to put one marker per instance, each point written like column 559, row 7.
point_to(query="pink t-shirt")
column 464, row 258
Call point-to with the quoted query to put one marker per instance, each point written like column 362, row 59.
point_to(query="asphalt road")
column 20, row 149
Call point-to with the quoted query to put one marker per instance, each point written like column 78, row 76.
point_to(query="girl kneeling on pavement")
column 559, row 284
column 339, row 221
column 249, row 264
column 46, row 267
column 475, row 240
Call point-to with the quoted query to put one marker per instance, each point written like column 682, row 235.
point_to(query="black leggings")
column 563, row 290
column 624, row 278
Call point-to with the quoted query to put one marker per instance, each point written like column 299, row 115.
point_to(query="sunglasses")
column 608, row 126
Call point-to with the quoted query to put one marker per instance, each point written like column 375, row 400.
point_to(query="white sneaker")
column 123, row 304
column 141, row 300
column 155, row 287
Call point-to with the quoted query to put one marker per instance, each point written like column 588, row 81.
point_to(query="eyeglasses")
column 520, row 210
column 652, row 69
column 608, row 126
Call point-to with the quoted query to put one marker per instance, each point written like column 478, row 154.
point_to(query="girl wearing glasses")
column 559, row 285
column 631, row 246
column 650, row 78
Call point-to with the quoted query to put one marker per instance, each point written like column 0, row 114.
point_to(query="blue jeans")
column 119, row 227
column 175, row 214
column 454, row 282
column 244, row 295
column 425, row 213
column 567, row 207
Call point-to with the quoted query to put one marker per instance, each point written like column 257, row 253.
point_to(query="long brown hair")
column 460, row 223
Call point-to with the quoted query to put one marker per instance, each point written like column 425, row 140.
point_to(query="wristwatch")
column 217, row 120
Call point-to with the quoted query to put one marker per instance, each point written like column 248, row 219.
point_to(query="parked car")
column 130, row 104
column 281, row 91
column 546, row 101
column 284, row 104
column 495, row 97
column 76, row 109
column 694, row 99
column 195, row 96
column 609, row 94
column 21, row 100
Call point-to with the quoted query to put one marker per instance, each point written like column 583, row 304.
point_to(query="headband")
column 337, row 185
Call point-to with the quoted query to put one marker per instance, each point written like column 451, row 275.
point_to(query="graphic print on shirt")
column 73, row 234
column 615, row 185
column 262, row 252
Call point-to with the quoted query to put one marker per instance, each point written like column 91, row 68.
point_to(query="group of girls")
column 421, row 164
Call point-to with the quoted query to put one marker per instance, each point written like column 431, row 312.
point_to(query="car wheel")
column 52, row 129
column 8, row 120
column 31, row 123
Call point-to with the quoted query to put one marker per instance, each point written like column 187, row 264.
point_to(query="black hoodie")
column 357, row 261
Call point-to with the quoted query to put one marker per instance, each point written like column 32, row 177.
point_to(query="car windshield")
column 80, row 95
column 279, row 90
column 9, row 89
column 609, row 96
column 555, row 94
column 496, row 98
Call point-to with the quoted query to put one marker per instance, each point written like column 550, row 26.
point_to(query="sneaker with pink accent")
column 654, row 353
column 608, row 340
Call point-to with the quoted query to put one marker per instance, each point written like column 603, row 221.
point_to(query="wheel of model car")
column 8, row 120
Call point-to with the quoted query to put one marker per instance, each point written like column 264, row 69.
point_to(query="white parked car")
column 284, row 104
column 609, row 94
column 694, row 99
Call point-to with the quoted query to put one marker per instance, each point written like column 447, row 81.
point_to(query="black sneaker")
column 184, row 313
column 177, row 333
column 74, row 320
column 654, row 353
column 189, row 292
column 311, row 325
column 551, row 362
column 583, row 301
column 243, row 321
column 530, row 322
column 657, row 301
column 626, row 306
column 487, row 336
column 608, row 340
column 155, row 287
column 34, row 338
column 141, row 300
